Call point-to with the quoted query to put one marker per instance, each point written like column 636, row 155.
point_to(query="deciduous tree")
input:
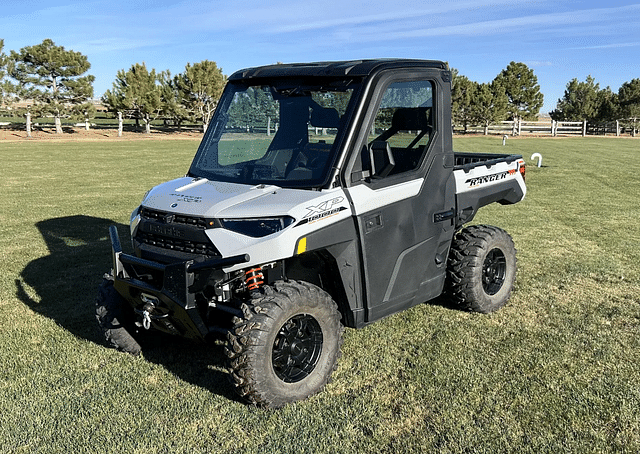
column 55, row 78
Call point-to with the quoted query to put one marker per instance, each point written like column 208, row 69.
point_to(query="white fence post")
column 28, row 115
column 584, row 128
column 120, row 127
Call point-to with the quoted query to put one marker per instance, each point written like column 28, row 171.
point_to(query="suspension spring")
column 254, row 278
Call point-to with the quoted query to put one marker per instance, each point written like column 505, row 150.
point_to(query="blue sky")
column 559, row 40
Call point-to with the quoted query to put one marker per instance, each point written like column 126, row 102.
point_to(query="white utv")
column 323, row 195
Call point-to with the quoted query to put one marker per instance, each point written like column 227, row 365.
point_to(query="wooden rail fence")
column 556, row 128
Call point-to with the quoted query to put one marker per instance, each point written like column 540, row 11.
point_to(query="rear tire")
column 286, row 345
column 481, row 268
column 115, row 318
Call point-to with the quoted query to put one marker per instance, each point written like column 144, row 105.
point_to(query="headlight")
column 257, row 227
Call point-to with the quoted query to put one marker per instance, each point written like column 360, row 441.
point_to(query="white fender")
column 537, row 155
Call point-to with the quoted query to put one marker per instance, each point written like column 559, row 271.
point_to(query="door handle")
column 444, row 215
column 373, row 222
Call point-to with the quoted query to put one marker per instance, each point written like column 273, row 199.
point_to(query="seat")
column 409, row 119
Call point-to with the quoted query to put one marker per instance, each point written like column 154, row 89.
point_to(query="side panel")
column 484, row 184
column 491, row 176
column 330, row 258
column 404, row 246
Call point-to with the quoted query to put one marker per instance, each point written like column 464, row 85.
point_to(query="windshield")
column 285, row 133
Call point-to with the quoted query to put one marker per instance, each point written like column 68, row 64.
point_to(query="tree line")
column 515, row 95
column 56, row 80
column 586, row 101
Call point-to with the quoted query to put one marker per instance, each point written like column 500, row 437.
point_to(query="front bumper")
column 169, row 303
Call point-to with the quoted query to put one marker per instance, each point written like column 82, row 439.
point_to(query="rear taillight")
column 522, row 169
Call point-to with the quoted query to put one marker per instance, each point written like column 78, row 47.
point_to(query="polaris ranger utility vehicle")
column 323, row 195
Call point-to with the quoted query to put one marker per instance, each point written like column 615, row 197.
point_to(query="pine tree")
column 137, row 94
column 522, row 89
column 579, row 103
column 199, row 89
column 172, row 107
column 252, row 107
column 55, row 79
column 3, row 64
column 629, row 98
column 608, row 105
column 463, row 92
column 490, row 105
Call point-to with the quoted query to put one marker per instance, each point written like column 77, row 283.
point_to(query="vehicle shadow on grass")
column 66, row 284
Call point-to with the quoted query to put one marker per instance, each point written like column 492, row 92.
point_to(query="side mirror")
column 382, row 162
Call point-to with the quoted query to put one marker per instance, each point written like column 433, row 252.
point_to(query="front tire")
column 286, row 345
column 481, row 268
column 115, row 318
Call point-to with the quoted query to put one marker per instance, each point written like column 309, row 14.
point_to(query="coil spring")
column 254, row 278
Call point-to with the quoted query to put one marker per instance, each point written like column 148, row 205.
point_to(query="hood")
column 215, row 199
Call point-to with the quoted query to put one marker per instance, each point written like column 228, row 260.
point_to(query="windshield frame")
column 281, row 88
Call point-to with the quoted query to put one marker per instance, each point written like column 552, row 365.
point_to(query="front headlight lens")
column 257, row 227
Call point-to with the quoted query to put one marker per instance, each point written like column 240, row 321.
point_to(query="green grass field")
column 556, row 370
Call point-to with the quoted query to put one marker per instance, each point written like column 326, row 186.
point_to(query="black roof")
column 333, row 69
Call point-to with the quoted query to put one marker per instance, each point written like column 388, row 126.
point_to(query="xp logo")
column 326, row 208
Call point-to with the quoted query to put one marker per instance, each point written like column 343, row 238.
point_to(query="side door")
column 402, row 190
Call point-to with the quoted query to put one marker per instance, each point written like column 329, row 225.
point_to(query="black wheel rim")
column 297, row 348
column 494, row 270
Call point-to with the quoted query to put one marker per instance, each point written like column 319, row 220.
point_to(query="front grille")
column 175, row 232
column 161, row 216
column 174, row 244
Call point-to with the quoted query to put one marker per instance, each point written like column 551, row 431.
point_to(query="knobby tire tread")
column 463, row 278
column 248, row 339
column 110, row 317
